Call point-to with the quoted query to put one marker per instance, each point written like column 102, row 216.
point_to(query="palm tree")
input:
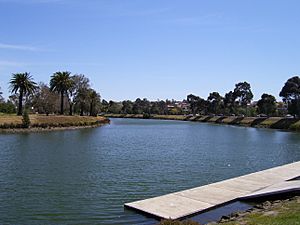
column 61, row 82
column 24, row 84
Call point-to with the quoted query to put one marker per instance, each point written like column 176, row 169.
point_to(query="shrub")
column 25, row 120
column 146, row 115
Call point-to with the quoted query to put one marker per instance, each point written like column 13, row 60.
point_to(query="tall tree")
column 78, row 83
column 243, row 93
column 291, row 94
column 82, row 100
column 61, row 82
column 95, row 100
column 267, row 104
column 127, row 106
column 114, row 107
column 229, row 102
column 197, row 104
column 215, row 101
column 44, row 100
column 193, row 101
column 24, row 84
column 104, row 106
column 141, row 106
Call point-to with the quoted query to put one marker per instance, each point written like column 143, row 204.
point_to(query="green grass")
column 13, row 121
column 287, row 214
column 295, row 126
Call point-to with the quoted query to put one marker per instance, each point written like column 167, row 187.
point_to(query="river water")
column 85, row 176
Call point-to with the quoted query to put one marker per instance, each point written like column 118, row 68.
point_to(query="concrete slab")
column 170, row 206
column 284, row 187
column 210, row 195
column 239, row 185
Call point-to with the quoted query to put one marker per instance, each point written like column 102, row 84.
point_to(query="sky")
column 158, row 49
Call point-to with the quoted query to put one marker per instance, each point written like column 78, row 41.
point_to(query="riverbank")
column 281, row 123
column 39, row 123
column 279, row 212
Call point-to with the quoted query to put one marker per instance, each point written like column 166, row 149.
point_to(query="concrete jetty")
column 188, row 202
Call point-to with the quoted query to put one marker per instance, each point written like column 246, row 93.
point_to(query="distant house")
column 183, row 105
column 282, row 108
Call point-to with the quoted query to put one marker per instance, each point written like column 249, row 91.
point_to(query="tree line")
column 239, row 101
column 69, row 94
column 65, row 94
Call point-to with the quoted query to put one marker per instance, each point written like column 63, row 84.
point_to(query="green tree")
column 95, row 100
column 193, row 100
column 127, row 107
column 104, row 106
column 243, row 93
column 141, row 106
column 267, row 104
column 24, row 84
column 215, row 102
column 61, row 82
column 229, row 102
column 291, row 95
column 197, row 104
column 7, row 107
column 44, row 100
column 114, row 107
column 159, row 107
column 82, row 100
column 79, row 83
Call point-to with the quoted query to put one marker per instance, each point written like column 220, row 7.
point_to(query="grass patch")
column 43, row 121
column 286, row 214
column 295, row 126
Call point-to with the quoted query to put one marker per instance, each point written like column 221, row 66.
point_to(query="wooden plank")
column 188, row 202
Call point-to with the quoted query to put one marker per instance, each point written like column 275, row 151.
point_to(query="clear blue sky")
column 153, row 48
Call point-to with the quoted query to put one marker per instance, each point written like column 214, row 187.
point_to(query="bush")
column 25, row 120
column 146, row 115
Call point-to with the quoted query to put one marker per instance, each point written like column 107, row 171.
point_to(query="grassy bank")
column 280, row 212
column 270, row 122
column 13, row 122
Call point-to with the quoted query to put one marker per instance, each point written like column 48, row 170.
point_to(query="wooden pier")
column 185, row 203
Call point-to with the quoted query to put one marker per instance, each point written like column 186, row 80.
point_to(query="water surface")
column 85, row 176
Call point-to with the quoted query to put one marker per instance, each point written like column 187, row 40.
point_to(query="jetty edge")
column 189, row 202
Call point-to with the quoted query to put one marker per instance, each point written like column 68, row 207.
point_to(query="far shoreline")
column 277, row 123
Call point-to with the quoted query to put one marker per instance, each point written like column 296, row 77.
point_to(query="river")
column 85, row 176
